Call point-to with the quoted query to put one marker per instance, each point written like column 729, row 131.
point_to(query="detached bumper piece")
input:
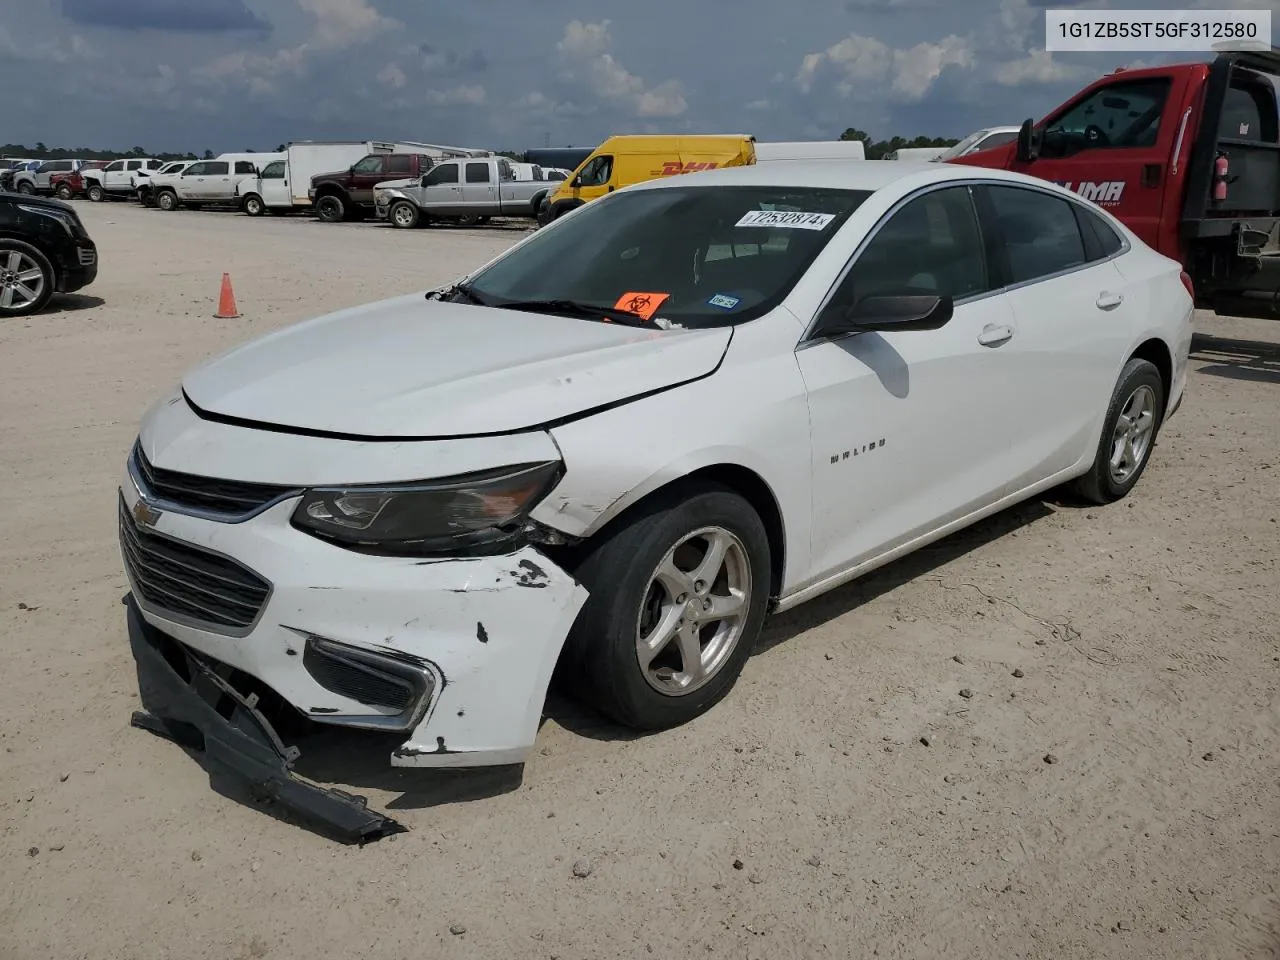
column 188, row 703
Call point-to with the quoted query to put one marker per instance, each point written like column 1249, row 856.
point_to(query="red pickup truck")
column 1188, row 157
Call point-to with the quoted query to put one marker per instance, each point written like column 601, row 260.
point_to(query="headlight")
column 473, row 511
column 67, row 220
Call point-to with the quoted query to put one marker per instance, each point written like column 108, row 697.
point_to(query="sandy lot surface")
column 804, row 817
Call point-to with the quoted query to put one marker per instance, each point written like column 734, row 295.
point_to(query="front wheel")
column 26, row 188
column 404, row 214
column 167, row 200
column 63, row 192
column 95, row 193
column 677, row 596
column 253, row 205
column 26, row 279
column 330, row 209
column 1128, row 433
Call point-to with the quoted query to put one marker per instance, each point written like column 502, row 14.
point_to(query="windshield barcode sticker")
column 779, row 218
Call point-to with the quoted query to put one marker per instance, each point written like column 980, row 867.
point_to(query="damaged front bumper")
column 188, row 701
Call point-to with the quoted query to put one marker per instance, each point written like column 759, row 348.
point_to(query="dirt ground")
column 847, row 800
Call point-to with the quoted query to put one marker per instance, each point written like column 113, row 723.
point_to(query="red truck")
column 1188, row 157
column 348, row 194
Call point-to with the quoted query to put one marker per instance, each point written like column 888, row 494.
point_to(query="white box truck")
column 284, row 184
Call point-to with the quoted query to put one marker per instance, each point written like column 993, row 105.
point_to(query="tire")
column 95, row 193
column 1134, row 418
column 626, row 597
column 330, row 208
column 26, row 188
column 18, row 261
column 404, row 215
column 63, row 192
column 166, row 200
column 253, row 205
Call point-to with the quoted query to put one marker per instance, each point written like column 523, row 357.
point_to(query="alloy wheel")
column 21, row 280
column 694, row 611
column 1131, row 438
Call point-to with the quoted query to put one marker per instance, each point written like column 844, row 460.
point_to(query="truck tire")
column 330, row 208
column 404, row 215
column 63, row 192
column 167, row 200
column 27, row 188
column 253, row 205
column 19, row 263
column 95, row 192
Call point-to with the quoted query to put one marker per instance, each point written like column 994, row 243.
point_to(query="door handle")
column 1109, row 301
column 993, row 335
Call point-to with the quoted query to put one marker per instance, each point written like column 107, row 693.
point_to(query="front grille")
column 360, row 676
column 189, row 582
column 225, row 498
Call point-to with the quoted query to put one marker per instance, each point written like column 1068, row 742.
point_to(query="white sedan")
column 619, row 445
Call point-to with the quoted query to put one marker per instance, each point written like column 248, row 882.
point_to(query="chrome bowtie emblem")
column 145, row 514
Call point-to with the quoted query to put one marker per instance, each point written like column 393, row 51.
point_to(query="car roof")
column 872, row 175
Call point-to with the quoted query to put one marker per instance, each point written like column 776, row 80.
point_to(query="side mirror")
column 1029, row 142
column 576, row 182
column 422, row 181
column 887, row 313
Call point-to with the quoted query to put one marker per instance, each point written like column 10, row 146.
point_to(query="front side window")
column 370, row 164
column 597, row 172
column 1120, row 115
column 273, row 170
column 932, row 246
column 1039, row 232
column 445, row 173
column 197, row 170
column 477, row 173
column 113, row 167
column 217, row 169
column 696, row 256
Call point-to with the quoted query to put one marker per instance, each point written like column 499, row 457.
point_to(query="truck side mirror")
column 1029, row 141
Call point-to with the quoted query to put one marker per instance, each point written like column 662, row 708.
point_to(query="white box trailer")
column 811, row 150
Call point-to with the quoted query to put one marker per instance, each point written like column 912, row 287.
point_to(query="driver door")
column 275, row 184
column 911, row 429
column 595, row 179
column 1112, row 146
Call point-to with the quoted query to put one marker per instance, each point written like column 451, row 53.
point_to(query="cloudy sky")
column 249, row 74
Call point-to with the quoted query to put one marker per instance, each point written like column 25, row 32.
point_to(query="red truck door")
column 1112, row 144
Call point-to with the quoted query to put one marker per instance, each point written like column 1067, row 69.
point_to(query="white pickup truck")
column 471, row 190
column 118, row 178
column 208, row 182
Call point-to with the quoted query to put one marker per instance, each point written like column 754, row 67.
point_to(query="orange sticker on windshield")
column 643, row 304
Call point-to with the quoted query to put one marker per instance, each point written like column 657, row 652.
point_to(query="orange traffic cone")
column 227, row 301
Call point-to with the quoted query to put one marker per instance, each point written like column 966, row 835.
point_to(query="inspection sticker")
column 780, row 218
column 724, row 301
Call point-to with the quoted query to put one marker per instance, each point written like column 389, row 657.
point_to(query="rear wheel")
column 330, row 208
column 404, row 214
column 26, row 279
column 677, row 596
column 167, row 200
column 253, row 205
column 96, row 193
column 1128, row 434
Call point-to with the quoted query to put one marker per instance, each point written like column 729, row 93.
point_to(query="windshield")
column 696, row 256
column 963, row 145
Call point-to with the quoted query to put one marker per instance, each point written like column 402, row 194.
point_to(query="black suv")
column 44, row 249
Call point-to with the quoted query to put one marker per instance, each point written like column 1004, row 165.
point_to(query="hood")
column 411, row 367
column 35, row 200
column 397, row 184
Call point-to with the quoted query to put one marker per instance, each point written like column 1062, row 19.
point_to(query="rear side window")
column 1038, row 231
column 477, row 173
column 399, row 163
column 1100, row 239
column 133, row 165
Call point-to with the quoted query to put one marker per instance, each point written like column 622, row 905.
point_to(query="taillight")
column 1186, row 282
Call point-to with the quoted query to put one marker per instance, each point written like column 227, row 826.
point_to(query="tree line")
column 879, row 149
column 876, row 149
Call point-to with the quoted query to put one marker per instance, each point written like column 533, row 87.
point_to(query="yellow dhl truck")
column 623, row 160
